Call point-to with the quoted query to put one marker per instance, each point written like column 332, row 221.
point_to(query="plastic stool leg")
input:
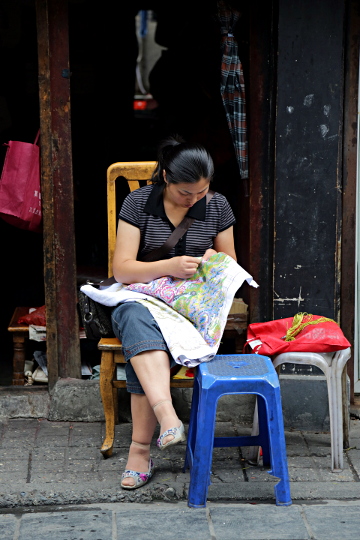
column 264, row 431
column 203, row 449
column 254, row 451
column 278, row 448
column 191, row 436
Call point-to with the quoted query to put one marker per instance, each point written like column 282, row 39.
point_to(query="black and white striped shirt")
column 144, row 208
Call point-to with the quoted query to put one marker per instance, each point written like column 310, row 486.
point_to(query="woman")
column 147, row 218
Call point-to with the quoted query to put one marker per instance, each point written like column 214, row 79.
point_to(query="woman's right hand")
column 183, row 267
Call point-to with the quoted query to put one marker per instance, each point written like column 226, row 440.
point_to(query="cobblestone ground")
column 44, row 462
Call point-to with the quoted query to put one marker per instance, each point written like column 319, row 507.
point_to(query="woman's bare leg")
column 153, row 371
column 143, row 422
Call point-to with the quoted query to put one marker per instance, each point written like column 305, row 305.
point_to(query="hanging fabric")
column 232, row 84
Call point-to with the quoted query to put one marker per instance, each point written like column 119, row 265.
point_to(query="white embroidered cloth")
column 191, row 313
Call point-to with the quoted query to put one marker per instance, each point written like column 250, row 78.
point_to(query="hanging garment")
column 191, row 313
column 232, row 85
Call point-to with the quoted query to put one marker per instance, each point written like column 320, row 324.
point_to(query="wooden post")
column 63, row 347
column 261, row 158
column 348, row 245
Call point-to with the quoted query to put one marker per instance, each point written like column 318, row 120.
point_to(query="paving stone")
column 297, row 450
column 300, row 461
column 20, row 435
column 321, row 451
column 110, row 477
column 81, row 465
column 13, row 476
column 258, row 474
column 315, row 438
column 182, row 524
column 281, row 523
column 354, row 456
column 77, row 525
column 225, row 454
column 76, row 452
column 23, row 424
column 46, row 477
column 11, row 465
column 183, row 477
column 225, row 429
column 80, row 476
column 111, row 465
column 48, row 454
column 303, row 474
column 13, row 444
column 60, row 429
column 8, row 524
column 355, row 428
column 339, row 525
column 223, row 475
column 47, row 466
column 15, row 454
column 164, row 477
column 83, row 440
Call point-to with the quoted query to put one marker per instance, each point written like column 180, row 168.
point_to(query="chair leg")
column 345, row 409
column 334, row 413
column 336, row 403
column 107, row 368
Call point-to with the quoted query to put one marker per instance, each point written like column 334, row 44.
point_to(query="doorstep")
column 304, row 400
column 24, row 402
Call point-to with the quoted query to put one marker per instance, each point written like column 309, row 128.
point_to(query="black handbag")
column 95, row 317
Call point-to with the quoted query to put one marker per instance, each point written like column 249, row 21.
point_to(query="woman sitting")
column 147, row 218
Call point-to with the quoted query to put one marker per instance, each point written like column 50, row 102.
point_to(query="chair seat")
column 235, row 374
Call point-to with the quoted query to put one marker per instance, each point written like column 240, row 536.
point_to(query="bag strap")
column 37, row 137
column 173, row 239
column 175, row 236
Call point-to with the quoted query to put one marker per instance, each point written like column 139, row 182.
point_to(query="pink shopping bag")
column 20, row 196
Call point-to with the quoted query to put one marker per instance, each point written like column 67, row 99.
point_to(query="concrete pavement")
column 54, row 481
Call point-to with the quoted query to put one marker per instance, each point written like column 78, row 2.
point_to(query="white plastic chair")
column 332, row 365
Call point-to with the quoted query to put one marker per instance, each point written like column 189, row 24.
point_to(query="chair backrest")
column 133, row 172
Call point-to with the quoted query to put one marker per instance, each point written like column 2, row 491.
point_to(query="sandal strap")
column 172, row 431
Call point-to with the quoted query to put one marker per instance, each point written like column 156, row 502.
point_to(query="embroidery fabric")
column 192, row 313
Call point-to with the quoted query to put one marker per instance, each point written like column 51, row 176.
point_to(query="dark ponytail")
column 182, row 162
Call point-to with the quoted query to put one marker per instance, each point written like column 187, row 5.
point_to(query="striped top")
column 144, row 208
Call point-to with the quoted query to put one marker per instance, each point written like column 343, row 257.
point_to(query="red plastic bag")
column 37, row 317
column 303, row 332
column 20, row 197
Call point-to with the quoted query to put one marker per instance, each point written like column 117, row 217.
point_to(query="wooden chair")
column 111, row 351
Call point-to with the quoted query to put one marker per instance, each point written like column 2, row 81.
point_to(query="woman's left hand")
column 208, row 254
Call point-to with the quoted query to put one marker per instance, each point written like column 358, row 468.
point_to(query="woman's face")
column 185, row 194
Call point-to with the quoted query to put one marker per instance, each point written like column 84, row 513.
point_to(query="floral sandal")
column 140, row 478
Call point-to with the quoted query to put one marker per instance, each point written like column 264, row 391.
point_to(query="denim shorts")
column 138, row 331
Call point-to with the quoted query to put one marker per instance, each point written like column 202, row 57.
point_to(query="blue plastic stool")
column 235, row 374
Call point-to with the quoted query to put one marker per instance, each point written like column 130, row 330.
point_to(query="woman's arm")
column 223, row 242
column 127, row 269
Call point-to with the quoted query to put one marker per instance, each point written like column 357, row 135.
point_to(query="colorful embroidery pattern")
column 200, row 299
